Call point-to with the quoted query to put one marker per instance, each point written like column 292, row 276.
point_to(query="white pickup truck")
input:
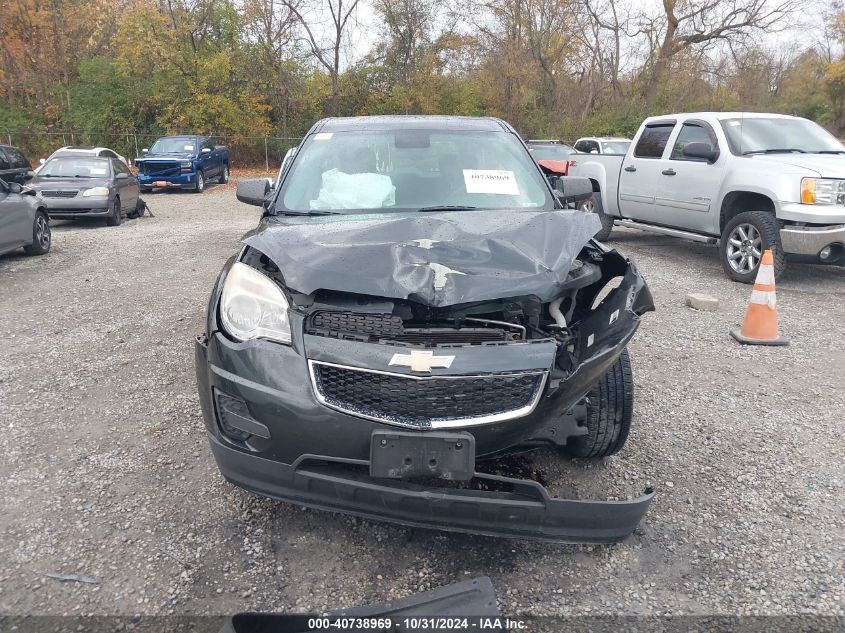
column 749, row 181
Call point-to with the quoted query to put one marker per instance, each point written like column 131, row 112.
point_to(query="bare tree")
column 694, row 23
column 325, row 49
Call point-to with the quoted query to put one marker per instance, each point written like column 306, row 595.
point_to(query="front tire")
column 594, row 205
column 200, row 186
column 610, row 406
column 41, row 235
column 116, row 216
column 743, row 242
column 224, row 175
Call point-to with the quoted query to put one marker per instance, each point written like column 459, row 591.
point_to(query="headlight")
column 95, row 191
column 186, row 163
column 253, row 306
column 822, row 191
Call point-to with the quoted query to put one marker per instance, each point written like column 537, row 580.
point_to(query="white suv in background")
column 69, row 150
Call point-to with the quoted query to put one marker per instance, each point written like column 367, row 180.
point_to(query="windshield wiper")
column 295, row 213
column 785, row 150
column 447, row 207
column 830, row 151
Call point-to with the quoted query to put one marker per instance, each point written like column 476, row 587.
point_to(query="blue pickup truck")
column 186, row 162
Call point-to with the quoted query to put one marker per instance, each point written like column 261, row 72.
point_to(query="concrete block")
column 701, row 301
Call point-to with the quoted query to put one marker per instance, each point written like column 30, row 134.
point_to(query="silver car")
column 87, row 187
column 23, row 220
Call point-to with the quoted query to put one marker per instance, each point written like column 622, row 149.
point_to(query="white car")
column 602, row 145
column 69, row 150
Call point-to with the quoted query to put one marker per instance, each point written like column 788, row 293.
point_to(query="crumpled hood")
column 824, row 165
column 437, row 259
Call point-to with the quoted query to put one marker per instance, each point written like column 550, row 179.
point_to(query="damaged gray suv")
column 416, row 303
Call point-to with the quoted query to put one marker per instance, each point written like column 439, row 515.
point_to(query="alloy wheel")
column 744, row 248
column 42, row 232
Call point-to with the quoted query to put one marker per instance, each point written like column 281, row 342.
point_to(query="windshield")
column 174, row 146
column 753, row 134
column 75, row 167
column 411, row 170
column 614, row 147
column 550, row 152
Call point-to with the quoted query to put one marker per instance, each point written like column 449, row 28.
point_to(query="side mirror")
column 42, row 161
column 121, row 176
column 253, row 191
column 573, row 188
column 15, row 187
column 29, row 175
column 594, row 151
column 145, row 150
column 702, row 151
column 206, row 150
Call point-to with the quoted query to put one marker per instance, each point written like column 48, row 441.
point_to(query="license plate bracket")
column 408, row 455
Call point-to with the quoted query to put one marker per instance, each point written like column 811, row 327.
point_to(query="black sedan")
column 87, row 187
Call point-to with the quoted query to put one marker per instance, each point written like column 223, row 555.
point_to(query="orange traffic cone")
column 760, row 326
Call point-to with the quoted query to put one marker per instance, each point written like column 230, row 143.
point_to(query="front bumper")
column 810, row 240
column 77, row 207
column 528, row 512
column 185, row 181
column 305, row 452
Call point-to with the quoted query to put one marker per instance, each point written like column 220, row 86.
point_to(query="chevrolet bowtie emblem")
column 421, row 361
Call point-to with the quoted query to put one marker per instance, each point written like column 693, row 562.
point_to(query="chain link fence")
column 244, row 151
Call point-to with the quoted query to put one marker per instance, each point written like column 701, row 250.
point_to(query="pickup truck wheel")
column 198, row 188
column 593, row 205
column 41, row 235
column 116, row 216
column 224, row 175
column 610, row 405
column 742, row 244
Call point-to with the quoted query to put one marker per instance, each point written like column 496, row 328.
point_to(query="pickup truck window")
column 691, row 133
column 174, row 145
column 653, row 140
column 752, row 135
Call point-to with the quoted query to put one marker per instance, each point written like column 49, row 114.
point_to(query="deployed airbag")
column 437, row 259
column 340, row 190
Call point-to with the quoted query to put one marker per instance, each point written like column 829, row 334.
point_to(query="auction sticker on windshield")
column 491, row 181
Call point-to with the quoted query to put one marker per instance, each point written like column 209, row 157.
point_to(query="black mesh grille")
column 418, row 403
column 357, row 323
column 168, row 168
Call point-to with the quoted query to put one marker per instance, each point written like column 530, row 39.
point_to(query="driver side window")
column 691, row 133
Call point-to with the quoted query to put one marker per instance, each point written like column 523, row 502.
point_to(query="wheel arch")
column 737, row 202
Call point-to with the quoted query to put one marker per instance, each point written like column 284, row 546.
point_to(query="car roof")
column 414, row 122
column 604, row 138
column 722, row 115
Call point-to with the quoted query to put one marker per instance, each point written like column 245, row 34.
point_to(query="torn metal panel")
column 436, row 259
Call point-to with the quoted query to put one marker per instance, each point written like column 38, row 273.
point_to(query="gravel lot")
column 107, row 473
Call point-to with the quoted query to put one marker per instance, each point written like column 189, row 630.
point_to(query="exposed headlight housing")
column 95, row 191
column 253, row 306
column 822, row 191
